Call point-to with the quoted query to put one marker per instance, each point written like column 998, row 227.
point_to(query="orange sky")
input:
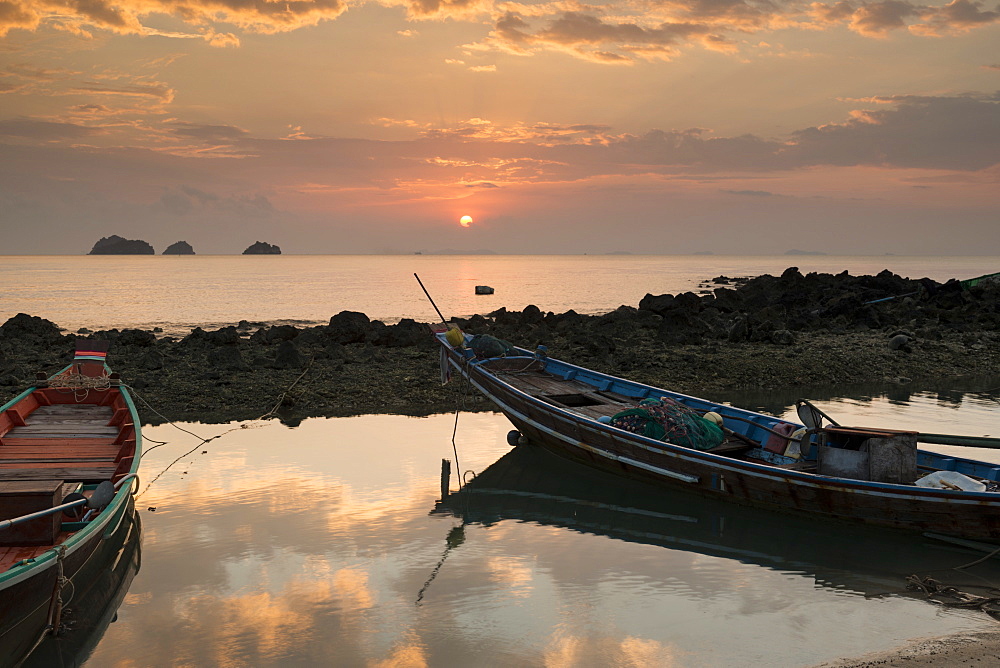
column 329, row 126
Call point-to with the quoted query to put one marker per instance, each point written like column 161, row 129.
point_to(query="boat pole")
column 429, row 298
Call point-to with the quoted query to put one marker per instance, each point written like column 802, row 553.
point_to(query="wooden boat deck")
column 62, row 442
column 569, row 394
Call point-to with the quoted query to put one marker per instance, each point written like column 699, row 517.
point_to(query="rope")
column 953, row 597
column 79, row 384
column 202, row 441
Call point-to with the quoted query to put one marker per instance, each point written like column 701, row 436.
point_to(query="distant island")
column 795, row 251
column 262, row 248
column 116, row 245
column 703, row 253
column 179, row 248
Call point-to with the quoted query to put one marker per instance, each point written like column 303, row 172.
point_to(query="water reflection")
column 530, row 484
column 316, row 545
column 977, row 394
column 96, row 597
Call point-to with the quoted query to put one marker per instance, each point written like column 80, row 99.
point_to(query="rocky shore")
column 766, row 332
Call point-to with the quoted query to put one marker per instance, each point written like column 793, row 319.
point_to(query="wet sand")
column 962, row 649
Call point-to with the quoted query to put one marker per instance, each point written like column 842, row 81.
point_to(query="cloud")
column 185, row 200
column 877, row 19
column 128, row 17
column 594, row 38
column 155, row 90
column 750, row 193
column 207, row 133
column 45, row 131
column 961, row 132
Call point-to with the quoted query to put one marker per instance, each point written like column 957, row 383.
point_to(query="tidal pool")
column 328, row 543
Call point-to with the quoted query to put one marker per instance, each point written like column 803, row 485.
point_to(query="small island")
column 262, row 248
column 116, row 245
column 179, row 248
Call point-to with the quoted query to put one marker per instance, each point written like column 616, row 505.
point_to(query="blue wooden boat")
column 69, row 455
column 825, row 470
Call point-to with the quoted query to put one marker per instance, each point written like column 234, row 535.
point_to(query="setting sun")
column 465, row 221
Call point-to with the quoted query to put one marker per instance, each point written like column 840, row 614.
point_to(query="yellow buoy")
column 712, row 416
column 454, row 336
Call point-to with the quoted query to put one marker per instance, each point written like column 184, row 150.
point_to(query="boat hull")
column 969, row 515
column 25, row 604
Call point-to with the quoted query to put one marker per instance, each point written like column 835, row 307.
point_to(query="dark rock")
column 136, row 337
column 659, row 304
column 32, row 328
column 900, row 342
column 116, row 245
column 280, row 333
column 227, row 359
column 288, row 356
column 349, row 327
column 739, row 331
column 224, row 336
column 531, row 315
column 179, row 248
column 151, row 361
column 262, row 248
column 782, row 337
column 407, row 332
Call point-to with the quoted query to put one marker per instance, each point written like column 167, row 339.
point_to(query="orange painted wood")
column 127, row 432
column 50, row 442
column 22, row 452
column 15, row 417
column 51, row 465
column 121, row 416
column 41, row 398
column 127, row 450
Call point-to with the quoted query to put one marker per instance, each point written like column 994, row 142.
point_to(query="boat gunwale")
column 706, row 457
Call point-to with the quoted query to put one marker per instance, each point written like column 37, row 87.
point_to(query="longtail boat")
column 823, row 469
column 69, row 455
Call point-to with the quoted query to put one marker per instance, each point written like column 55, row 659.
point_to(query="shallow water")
column 326, row 544
column 180, row 292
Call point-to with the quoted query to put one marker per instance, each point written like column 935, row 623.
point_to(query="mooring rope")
column 202, row 441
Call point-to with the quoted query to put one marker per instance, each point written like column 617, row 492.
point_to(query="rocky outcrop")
column 116, row 245
column 792, row 330
column 179, row 248
column 262, row 248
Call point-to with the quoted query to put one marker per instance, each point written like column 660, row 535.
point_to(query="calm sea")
column 180, row 292
column 328, row 543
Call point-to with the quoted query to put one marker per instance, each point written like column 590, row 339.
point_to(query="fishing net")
column 668, row 420
column 486, row 346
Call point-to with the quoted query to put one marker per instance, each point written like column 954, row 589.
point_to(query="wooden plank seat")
column 75, row 472
column 54, row 442
column 15, row 452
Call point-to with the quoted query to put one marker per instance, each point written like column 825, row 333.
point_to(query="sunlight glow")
column 465, row 221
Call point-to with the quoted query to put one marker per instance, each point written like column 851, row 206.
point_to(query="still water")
column 327, row 543
column 177, row 293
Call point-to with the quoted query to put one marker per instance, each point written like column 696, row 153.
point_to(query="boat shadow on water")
column 97, row 596
column 530, row 484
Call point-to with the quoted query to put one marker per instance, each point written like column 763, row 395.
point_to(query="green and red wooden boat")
column 824, row 470
column 69, row 456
